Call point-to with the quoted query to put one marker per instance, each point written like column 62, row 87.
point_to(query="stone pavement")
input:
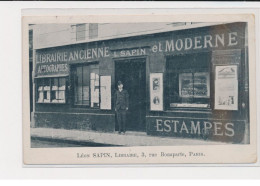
column 128, row 139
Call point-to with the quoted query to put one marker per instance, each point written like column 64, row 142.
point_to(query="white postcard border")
column 214, row 153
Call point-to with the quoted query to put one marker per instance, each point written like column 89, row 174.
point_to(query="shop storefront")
column 188, row 83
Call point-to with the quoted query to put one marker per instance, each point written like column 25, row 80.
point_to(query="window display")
column 86, row 85
column 58, row 90
column 194, row 85
column 51, row 90
column 188, row 81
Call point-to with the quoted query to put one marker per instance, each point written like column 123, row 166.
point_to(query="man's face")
column 120, row 86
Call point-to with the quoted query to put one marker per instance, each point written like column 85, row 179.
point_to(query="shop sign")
column 50, row 62
column 54, row 61
column 210, row 41
column 52, row 69
column 222, row 130
column 130, row 52
column 198, row 42
column 72, row 55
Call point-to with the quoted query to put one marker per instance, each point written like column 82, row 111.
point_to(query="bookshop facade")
column 189, row 83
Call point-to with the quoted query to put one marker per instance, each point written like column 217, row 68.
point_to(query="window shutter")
column 93, row 30
column 80, row 32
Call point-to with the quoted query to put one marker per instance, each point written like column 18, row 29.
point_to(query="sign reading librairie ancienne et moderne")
column 55, row 60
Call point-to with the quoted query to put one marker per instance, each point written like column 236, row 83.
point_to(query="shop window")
column 86, row 85
column 51, row 90
column 188, row 81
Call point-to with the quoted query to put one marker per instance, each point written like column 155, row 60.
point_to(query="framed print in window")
column 156, row 91
column 194, row 85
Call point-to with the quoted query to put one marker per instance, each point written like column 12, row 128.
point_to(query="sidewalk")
column 129, row 139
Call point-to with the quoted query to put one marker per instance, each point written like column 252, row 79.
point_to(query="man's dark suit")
column 121, row 106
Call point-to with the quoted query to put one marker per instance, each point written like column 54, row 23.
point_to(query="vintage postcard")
column 139, row 89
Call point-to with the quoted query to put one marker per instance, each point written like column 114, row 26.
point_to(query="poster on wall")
column 156, row 91
column 105, row 87
column 226, row 88
column 94, row 87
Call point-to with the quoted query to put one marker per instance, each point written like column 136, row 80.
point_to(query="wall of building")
column 51, row 35
column 158, row 48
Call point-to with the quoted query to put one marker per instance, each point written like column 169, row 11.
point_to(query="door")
column 132, row 74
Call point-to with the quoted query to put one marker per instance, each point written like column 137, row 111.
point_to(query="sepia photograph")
column 138, row 84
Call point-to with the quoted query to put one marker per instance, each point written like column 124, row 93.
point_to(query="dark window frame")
column 73, row 86
column 31, row 45
column 48, row 81
column 170, row 73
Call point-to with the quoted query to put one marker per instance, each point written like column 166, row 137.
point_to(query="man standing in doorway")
column 121, row 106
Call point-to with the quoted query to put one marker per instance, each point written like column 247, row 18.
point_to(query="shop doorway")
column 132, row 74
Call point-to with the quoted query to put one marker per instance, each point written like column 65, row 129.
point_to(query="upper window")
column 51, row 90
column 86, row 85
column 80, row 32
column 188, row 81
column 93, row 30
